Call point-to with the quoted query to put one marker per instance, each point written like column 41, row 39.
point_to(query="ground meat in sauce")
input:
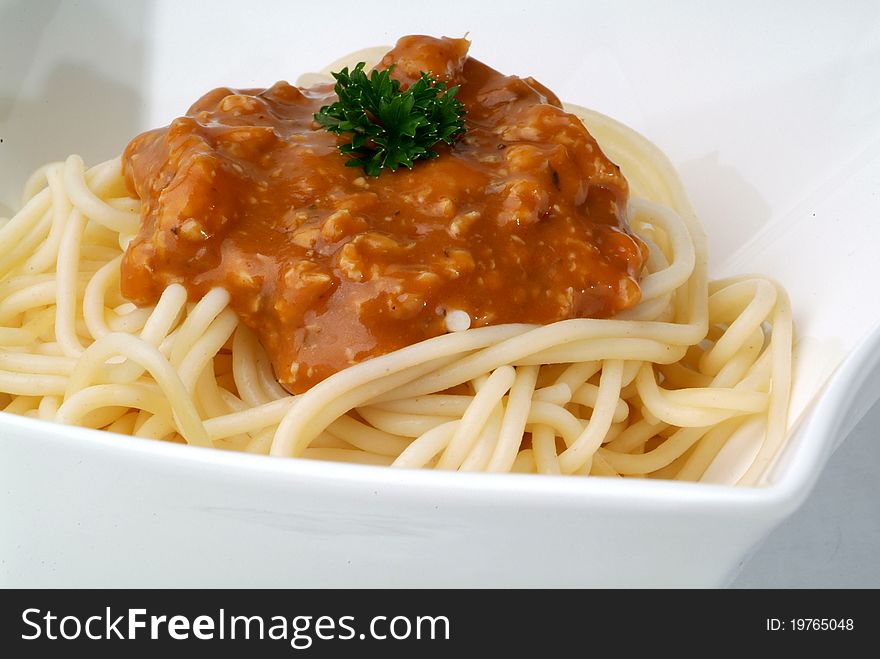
column 522, row 220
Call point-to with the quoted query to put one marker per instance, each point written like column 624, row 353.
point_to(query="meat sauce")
column 521, row 220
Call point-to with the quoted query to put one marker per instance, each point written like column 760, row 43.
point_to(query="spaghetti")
column 655, row 391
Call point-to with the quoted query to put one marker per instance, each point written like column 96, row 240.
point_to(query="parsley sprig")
column 391, row 128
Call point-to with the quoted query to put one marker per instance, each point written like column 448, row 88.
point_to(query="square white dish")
column 772, row 116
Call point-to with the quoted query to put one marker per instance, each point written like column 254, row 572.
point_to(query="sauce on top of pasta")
column 523, row 219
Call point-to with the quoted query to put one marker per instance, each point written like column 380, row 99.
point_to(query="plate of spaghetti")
column 411, row 275
column 519, row 302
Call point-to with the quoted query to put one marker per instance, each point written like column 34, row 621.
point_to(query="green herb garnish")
column 390, row 127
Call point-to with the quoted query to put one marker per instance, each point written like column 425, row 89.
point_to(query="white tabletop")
column 833, row 540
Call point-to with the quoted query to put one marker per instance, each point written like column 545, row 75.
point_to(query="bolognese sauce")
column 522, row 220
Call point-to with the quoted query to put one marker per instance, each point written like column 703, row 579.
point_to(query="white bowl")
column 769, row 112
